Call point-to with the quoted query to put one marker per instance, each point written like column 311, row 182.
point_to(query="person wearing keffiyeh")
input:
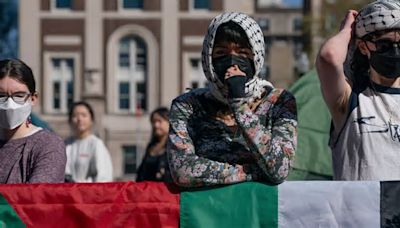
column 359, row 70
column 239, row 128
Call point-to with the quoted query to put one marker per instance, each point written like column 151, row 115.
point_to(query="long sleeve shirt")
column 203, row 150
column 37, row 158
column 88, row 160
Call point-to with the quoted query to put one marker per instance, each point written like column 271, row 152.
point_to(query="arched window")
column 197, row 78
column 131, row 75
column 132, row 71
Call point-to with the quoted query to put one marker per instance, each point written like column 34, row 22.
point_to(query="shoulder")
column 283, row 103
column 70, row 140
column 278, row 96
column 192, row 96
column 98, row 141
column 46, row 137
column 45, row 141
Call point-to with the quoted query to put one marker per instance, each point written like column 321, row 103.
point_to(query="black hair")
column 360, row 67
column 80, row 103
column 232, row 32
column 18, row 70
column 164, row 113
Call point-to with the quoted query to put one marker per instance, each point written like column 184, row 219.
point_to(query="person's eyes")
column 384, row 45
column 219, row 51
column 19, row 95
column 246, row 52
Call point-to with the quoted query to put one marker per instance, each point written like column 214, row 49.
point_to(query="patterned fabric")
column 203, row 150
column 376, row 16
column 255, row 87
column 379, row 15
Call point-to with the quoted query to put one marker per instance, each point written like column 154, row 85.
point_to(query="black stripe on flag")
column 390, row 204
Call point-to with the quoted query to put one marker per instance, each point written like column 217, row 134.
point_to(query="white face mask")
column 12, row 114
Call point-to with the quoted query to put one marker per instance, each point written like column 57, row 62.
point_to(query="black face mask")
column 221, row 64
column 386, row 63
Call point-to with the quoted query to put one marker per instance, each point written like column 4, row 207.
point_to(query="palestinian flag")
column 291, row 204
column 124, row 204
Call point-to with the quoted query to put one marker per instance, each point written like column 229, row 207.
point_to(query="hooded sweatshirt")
column 202, row 150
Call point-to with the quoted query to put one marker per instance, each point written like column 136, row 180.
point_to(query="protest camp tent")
column 313, row 157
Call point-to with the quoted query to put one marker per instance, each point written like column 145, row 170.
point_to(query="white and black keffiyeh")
column 376, row 16
column 256, row 86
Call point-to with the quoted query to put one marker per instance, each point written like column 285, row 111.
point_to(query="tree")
column 322, row 19
column 8, row 29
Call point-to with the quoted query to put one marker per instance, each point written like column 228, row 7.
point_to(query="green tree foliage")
column 327, row 20
column 333, row 12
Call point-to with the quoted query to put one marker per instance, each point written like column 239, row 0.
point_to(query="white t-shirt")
column 368, row 146
column 88, row 160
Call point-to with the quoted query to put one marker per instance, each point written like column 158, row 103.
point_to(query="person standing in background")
column 28, row 154
column 88, row 159
column 155, row 166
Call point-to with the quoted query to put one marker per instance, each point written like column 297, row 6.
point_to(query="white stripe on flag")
column 329, row 204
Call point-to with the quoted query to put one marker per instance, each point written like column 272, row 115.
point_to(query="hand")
column 233, row 71
column 348, row 20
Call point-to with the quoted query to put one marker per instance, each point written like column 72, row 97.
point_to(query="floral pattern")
column 203, row 150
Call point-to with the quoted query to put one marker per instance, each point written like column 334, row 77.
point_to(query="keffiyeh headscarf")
column 256, row 86
column 376, row 16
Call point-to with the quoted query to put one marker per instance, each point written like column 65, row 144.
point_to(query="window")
column 262, row 4
column 132, row 4
column 63, row 4
column 57, row 95
column 197, row 78
column 268, row 44
column 264, row 73
column 62, row 75
column 129, row 159
column 131, row 76
column 124, row 95
column 199, row 4
column 124, row 53
column 297, row 46
column 297, row 24
column 264, row 24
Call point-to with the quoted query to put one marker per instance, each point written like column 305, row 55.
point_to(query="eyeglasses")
column 385, row 45
column 19, row 97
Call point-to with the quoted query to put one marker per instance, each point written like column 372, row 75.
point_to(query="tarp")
column 313, row 156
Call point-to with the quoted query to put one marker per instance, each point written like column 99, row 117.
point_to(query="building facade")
column 128, row 57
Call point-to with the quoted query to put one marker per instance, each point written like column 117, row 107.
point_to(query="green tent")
column 313, row 156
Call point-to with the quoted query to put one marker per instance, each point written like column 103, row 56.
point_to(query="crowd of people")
column 240, row 128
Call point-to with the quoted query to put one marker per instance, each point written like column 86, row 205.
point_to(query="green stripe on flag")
column 8, row 217
column 248, row 204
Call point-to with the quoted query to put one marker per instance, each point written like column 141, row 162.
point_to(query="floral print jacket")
column 203, row 150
